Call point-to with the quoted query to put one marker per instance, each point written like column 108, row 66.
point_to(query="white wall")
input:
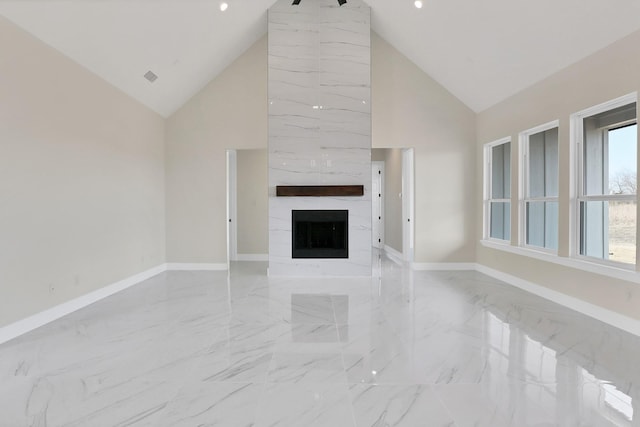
column 608, row 74
column 409, row 109
column 81, row 180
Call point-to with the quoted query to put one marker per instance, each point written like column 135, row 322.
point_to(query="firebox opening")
column 320, row 234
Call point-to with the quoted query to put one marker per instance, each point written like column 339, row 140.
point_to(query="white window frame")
column 487, row 200
column 523, row 184
column 577, row 185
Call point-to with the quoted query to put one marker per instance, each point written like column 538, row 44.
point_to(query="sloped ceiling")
column 481, row 51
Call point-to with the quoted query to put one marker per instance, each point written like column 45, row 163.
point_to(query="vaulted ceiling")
column 481, row 51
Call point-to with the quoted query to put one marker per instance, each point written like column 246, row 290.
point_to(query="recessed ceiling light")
column 223, row 6
column 418, row 4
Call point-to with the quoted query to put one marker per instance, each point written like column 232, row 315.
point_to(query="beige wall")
column 81, row 180
column 392, row 158
column 252, row 201
column 230, row 112
column 410, row 109
column 608, row 74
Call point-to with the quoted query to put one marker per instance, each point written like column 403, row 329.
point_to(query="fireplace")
column 320, row 234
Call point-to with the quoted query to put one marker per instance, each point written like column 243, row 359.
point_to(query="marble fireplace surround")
column 319, row 89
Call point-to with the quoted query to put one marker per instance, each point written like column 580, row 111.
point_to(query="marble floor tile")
column 306, row 338
column 401, row 348
column 312, row 308
column 65, row 401
column 470, row 407
column 307, row 368
column 401, row 406
column 224, row 363
column 365, row 338
column 514, row 404
column 379, row 366
column 214, row 404
column 311, row 404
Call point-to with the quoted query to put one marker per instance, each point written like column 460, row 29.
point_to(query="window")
column 607, row 166
column 498, row 190
column 539, row 191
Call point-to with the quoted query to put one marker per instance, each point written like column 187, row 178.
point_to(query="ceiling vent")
column 151, row 76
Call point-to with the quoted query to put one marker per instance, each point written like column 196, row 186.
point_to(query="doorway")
column 392, row 202
column 407, row 204
column 247, row 205
column 377, row 204
column 232, row 207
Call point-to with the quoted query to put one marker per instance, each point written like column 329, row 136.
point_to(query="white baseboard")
column 394, row 255
column 30, row 323
column 440, row 266
column 607, row 316
column 253, row 257
column 186, row 266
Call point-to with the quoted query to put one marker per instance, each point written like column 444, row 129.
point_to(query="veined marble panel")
column 359, row 261
column 319, row 125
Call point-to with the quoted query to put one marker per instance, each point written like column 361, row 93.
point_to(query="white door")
column 407, row 204
column 232, row 231
column 377, row 206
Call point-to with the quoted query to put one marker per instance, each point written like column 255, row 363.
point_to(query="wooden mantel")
column 319, row 190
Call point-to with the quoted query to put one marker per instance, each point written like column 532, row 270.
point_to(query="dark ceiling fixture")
column 297, row 2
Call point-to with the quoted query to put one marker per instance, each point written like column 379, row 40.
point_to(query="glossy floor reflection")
column 403, row 349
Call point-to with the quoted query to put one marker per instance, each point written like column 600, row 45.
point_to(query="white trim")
column 575, row 135
column 581, row 263
column 541, row 128
column 523, row 183
column 524, row 177
column 443, row 266
column 253, row 257
column 487, row 197
column 629, row 98
column 607, row 316
column 576, row 139
column 232, row 205
column 497, row 142
column 393, row 254
column 191, row 266
column 14, row 330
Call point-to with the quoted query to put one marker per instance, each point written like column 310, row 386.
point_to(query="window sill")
column 622, row 273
